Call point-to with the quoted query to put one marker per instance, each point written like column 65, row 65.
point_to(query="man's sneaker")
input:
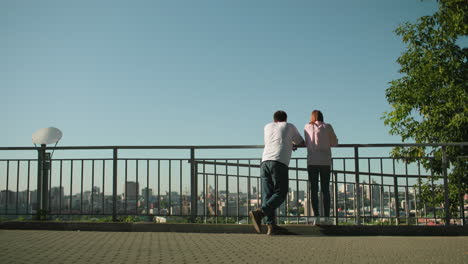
column 274, row 230
column 315, row 221
column 256, row 217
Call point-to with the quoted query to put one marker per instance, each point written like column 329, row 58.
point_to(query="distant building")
column 131, row 190
column 56, row 197
column 7, row 197
column 33, row 200
column 296, row 195
column 254, row 190
column 131, row 196
column 87, row 197
column 347, row 189
column 146, row 192
column 23, row 201
column 307, row 208
column 230, row 208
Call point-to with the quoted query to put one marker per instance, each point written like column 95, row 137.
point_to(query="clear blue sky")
column 196, row 72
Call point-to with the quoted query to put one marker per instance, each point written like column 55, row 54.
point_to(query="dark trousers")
column 275, row 182
column 324, row 172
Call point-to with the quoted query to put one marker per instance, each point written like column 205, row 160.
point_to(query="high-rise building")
column 23, row 200
column 7, row 198
column 56, row 197
column 296, row 196
column 147, row 192
column 131, row 190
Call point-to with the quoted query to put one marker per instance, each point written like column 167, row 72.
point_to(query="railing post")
column 40, row 166
column 446, row 189
column 335, row 197
column 461, row 194
column 193, row 186
column 45, row 183
column 358, row 189
column 397, row 198
column 114, row 186
column 43, row 167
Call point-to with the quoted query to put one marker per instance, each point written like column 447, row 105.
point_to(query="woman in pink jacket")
column 319, row 138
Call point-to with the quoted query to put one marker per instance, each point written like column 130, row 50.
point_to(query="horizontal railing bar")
column 88, row 159
column 234, row 146
column 403, row 145
column 305, row 169
column 18, row 159
column 134, row 147
column 301, row 180
column 377, row 157
column 333, row 158
column 187, row 159
column 382, row 174
column 227, row 164
column 227, row 175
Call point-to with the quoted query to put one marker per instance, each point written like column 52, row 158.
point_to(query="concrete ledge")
column 364, row 230
column 348, row 230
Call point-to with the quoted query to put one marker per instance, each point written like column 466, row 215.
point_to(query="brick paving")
column 22, row 246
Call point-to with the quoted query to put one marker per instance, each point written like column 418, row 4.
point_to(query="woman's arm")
column 333, row 138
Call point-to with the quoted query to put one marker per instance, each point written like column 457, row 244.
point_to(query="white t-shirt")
column 279, row 138
column 319, row 138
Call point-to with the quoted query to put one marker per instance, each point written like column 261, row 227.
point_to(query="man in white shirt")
column 280, row 137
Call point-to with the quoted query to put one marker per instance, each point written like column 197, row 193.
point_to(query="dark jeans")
column 275, row 187
column 324, row 171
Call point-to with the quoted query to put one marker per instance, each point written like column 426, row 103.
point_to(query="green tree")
column 429, row 101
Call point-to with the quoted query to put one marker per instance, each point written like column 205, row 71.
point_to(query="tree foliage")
column 429, row 101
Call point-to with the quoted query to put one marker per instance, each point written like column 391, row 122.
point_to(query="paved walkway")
column 133, row 247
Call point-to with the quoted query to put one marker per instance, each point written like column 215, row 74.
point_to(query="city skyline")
column 213, row 202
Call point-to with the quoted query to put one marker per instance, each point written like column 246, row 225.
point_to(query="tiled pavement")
column 158, row 247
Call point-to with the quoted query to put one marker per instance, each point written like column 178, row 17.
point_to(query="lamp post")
column 44, row 136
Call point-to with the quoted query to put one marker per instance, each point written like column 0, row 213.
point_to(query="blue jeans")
column 275, row 180
column 324, row 171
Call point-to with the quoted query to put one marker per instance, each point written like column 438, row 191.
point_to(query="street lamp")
column 43, row 137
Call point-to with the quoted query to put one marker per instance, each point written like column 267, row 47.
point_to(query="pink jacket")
column 319, row 138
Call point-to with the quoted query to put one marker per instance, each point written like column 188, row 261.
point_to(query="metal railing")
column 364, row 189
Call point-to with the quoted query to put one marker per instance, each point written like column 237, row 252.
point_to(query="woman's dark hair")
column 280, row 116
column 316, row 116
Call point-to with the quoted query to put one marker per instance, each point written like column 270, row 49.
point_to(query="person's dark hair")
column 280, row 116
column 316, row 116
